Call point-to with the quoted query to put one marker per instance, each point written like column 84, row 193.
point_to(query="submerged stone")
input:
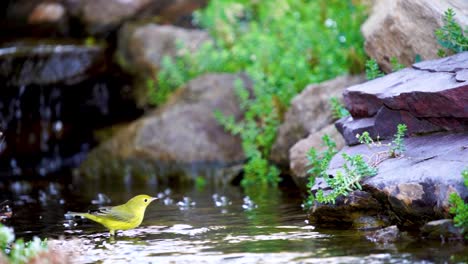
column 443, row 229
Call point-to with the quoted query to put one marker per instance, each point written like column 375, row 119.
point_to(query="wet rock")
column 309, row 113
column 103, row 16
column 443, row 229
column 45, row 64
column 405, row 97
column 359, row 210
column 180, row 140
column 385, row 235
column 298, row 153
column 404, row 29
column 415, row 188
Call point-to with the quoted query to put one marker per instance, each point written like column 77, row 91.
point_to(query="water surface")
column 204, row 225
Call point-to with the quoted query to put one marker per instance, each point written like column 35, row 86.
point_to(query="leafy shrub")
column 283, row 45
column 337, row 108
column 451, row 35
column 373, row 70
column 19, row 251
column 318, row 164
column 459, row 208
column 354, row 169
column 347, row 180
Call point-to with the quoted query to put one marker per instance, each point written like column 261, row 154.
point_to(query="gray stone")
column 179, row 141
column 141, row 47
column 100, row 17
column 405, row 28
column 443, row 229
column 298, row 153
column 310, row 112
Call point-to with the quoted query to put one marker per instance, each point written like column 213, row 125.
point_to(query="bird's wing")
column 117, row 213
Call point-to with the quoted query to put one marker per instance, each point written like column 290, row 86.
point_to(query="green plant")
column 337, row 108
column 451, row 35
column 345, row 181
column 318, row 164
column 459, row 208
column 282, row 51
column 200, row 183
column 396, row 65
column 398, row 144
column 19, row 251
column 373, row 70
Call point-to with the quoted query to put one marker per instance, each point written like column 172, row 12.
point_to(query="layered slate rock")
column 46, row 64
column 404, row 29
column 415, row 188
column 309, row 113
column 431, row 96
column 179, row 141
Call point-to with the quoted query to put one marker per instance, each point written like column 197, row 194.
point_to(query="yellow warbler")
column 120, row 217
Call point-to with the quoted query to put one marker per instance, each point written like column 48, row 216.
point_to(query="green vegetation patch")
column 283, row 45
column 19, row 251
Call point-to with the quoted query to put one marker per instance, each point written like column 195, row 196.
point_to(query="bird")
column 120, row 217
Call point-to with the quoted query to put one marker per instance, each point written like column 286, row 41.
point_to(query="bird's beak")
column 154, row 198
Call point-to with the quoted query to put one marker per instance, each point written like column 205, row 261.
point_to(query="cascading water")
column 53, row 98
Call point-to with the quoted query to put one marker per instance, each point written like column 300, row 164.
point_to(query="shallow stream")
column 203, row 225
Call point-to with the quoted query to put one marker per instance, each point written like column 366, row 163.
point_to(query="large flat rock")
column 415, row 188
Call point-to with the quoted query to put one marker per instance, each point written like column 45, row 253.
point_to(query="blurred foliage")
column 451, row 35
column 283, row 45
column 19, row 251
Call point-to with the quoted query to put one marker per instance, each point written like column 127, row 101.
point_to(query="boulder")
column 443, row 229
column 141, row 47
column 180, row 140
column 431, row 96
column 46, row 64
column 298, row 153
column 103, row 16
column 405, row 28
column 310, row 112
column 414, row 189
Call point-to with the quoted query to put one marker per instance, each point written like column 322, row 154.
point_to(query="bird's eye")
column 146, row 200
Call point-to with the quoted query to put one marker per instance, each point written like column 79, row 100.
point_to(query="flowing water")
column 202, row 225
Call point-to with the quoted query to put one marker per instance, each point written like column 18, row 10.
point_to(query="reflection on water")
column 213, row 225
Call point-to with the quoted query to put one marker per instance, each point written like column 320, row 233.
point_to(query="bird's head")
column 140, row 202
